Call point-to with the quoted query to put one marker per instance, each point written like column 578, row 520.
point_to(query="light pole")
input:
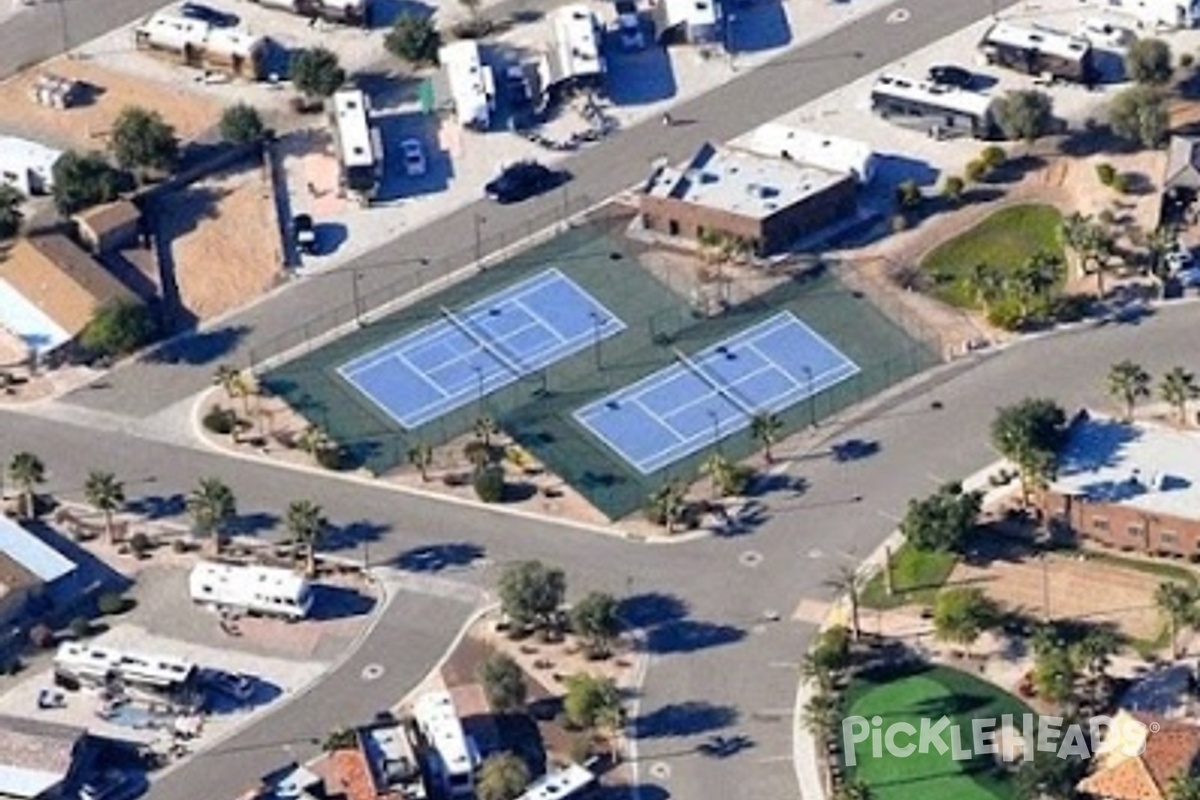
column 716, row 421
column 356, row 277
column 479, row 379
column 812, row 401
column 480, row 219
column 597, row 323
column 359, row 272
column 62, row 26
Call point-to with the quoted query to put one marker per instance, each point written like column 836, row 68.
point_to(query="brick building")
column 1129, row 486
column 769, row 203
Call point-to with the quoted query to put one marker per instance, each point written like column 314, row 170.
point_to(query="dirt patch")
column 1077, row 588
column 220, row 234
column 86, row 126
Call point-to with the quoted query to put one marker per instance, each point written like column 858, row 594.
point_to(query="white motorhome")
column 472, row 84
column 560, row 784
column 1166, row 14
column 100, row 666
column 438, row 723
column 198, row 44
column 359, row 143
column 270, row 591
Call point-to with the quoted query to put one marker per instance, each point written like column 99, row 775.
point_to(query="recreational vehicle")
column 688, row 21
column 941, row 110
column 99, row 666
column 359, row 144
column 561, row 784
column 346, row 12
column 439, row 725
column 472, row 85
column 270, row 591
column 1037, row 50
column 1160, row 14
column 575, row 60
column 198, row 44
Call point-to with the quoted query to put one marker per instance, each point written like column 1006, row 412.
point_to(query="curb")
column 202, row 436
column 476, row 615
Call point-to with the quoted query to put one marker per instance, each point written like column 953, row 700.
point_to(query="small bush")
column 80, row 627
column 179, row 546
column 908, row 194
column 489, row 483
column 140, row 544
column 993, row 156
column 976, row 171
column 1120, row 183
column 1187, row 60
column 330, row 458
column 953, row 187
column 1106, row 173
column 112, row 603
column 220, row 420
column 1006, row 316
column 1071, row 307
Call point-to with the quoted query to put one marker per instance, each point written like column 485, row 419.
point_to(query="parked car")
column 414, row 157
column 629, row 25
column 113, row 784
column 213, row 16
column 523, row 180
column 304, row 233
column 236, row 685
column 947, row 75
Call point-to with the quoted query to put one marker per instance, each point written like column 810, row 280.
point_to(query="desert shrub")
column 993, row 156
column 220, row 420
column 330, row 458
column 1006, row 315
column 80, row 627
column 140, row 544
column 112, row 603
column 489, row 483
column 1071, row 307
column 975, row 171
column 1106, row 173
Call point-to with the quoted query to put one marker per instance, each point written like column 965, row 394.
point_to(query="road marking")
column 816, row 553
column 774, row 759
column 784, row 664
column 373, row 672
column 750, row 558
column 899, row 16
column 660, row 770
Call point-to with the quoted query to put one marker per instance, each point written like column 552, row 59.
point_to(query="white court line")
column 540, row 319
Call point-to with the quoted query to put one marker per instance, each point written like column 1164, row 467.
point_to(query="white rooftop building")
column 472, row 85
column 27, row 165
column 272, row 591
column 36, row 758
column 575, row 56
column 439, row 724
column 691, row 21
column 833, row 153
column 560, row 784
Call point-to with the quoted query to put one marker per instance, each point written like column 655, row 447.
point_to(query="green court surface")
column 931, row 693
column 537, row 410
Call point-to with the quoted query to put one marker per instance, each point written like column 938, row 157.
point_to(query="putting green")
column 930, row 694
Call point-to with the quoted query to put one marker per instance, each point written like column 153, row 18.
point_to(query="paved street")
column 716, row 668
column 793, row 79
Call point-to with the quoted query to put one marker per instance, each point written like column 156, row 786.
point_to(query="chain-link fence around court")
column 537, row 410
column 419, row 278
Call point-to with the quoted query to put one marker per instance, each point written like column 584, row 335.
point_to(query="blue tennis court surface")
column 475, row 351
column 681, row 409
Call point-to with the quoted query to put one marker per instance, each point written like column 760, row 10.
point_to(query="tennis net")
column 489, row 347
column 721, row 389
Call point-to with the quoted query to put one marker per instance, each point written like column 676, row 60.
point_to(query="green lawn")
column 916, row 577
column 1005, row 240
column 931, row 693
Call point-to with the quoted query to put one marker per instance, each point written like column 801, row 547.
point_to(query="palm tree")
column 986, row 284
column 1092, row 243
column 668, row 503
column 717, row 467
column 1176, row 388
column 485, row 429
column 314, row 441
column 235, row 385
column 306, row 523
column 1128, row 383
column 211, row 506
column 1094, row 653
column 812, row 669
column 765, row 428
column 1177, row 603
column 27, row 470
column 107, row 495
column 420, row 455
column 848, row 582
column 819, row 715
column 1034, row 278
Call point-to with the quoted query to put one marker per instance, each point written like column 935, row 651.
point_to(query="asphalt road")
column 754, row 97
column 37, row 32
column 718, row 667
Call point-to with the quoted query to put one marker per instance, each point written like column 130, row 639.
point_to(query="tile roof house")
column 37, row 758
column 50, row 289
column 1119, row 774
column 28, row 567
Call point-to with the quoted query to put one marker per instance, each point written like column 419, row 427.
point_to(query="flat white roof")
column 559, row 784
column 28, row 322
column 17, row 781
column 698, row 13
column 436, row 715
column 134, row 666
column 17, row 155
column 1141, row 465
column 741, row 182
column 1036, row 37
column 575, row 42
column 174, row 31
column 471, row 83
column 31, row 552
column 278, row 579
column 353, row 128
column 834, row 153
column 964, row 101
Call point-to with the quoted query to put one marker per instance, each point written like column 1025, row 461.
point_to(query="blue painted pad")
column 490, row 344
column 684, row 408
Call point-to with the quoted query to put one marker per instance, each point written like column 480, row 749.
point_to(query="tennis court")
column 703, row 398
column 471, row 353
